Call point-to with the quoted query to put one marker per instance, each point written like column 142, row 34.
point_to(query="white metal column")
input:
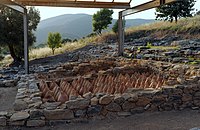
column 26, row 51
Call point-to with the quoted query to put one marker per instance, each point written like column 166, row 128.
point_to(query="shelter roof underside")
column 115, row 4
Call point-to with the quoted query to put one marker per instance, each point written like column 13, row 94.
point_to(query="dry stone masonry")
column 101, row 89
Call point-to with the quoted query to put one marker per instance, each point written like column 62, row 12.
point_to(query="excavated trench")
column 102, row 76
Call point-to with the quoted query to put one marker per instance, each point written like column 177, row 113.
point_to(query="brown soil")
column 171, row 120
column 7, row 98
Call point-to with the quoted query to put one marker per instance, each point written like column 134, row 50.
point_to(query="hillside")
column 74, row 26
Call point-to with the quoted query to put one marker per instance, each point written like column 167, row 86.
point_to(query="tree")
column 174, row 11
column 101, row 20
column 115, row 26
column 198, row 13
column 66, row 40
column 11, row 31
column 54, row 41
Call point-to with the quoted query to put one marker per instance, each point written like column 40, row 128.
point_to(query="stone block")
column 113, row 107
column 94, row 101
column 58, row 114
column 137, row 110
column 128, row 105
column 20, row 105
column 17, row 123
column 94, row 110
column 119, row 99
column 3, row 121
column 106, row 99
column 36, row 114
column 80, row 113
column 79, row 103
column 186, row 97
column 142, row 101
column 124, row 114
column 35, row 123
column 18, row 116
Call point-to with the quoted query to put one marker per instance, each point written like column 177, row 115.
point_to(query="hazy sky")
column 47, row 12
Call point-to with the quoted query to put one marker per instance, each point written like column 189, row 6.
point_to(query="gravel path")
column 172, row 120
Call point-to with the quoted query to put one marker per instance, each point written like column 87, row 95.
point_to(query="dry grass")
column 46, row 51
column 188, row 27
column 165, row 47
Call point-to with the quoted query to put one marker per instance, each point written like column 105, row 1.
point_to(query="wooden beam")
column 81, row 4
column 146, row 6
column 142, row 7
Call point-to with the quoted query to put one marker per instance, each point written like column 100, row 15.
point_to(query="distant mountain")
column 74, row 26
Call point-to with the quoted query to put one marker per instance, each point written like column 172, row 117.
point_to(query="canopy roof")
column 116, row 4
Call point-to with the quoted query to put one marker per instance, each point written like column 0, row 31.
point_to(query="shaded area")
column 60, row 58
column 7, row 98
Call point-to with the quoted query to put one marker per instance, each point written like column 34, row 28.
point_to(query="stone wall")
column 31, row 111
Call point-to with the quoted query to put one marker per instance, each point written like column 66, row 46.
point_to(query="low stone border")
column 30, row 111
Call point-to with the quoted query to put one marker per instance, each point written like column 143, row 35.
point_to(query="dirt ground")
column 172, row 120
column 7, row 98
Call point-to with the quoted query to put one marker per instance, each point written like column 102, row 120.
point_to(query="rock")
column 197, row 94
column 50, row 105
column 142, row 101
column 119, row 99
column 9, row 83
column 36, row 114
column 33, row 85
column 158, row 99
column 186, row 97
column 20, row 105
column 99, row 95
column 148, row 92
column 134, row 98
column 167, row 106
column 18, row 116
column 79, row 103
column 94, row 101
column 197, row 102
column 128, row 105
column 188, row 90
column 38, row 94
column 126, row 96
column 3, row 121
column 181, row 80
column 88, row 95
column 124, row 114
column 58, row 114
column 35, row 105
column 36, row 99
column 94, row 110
column 106, row 99
column 177, row 91
column 3, row 113
column 113, row 107
column 2, row 84
column 137, row 110
column 17, row 123
column 167, row 89
column 80, row 113
column 195, row 128
column 35, row 123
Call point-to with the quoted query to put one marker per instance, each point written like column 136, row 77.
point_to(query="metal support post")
column 26, row 52
column 120, row 35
